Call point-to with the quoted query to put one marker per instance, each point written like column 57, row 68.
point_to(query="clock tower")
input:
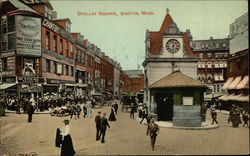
column 172, row 46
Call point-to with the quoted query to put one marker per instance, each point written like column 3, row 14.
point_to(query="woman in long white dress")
column 67, row 148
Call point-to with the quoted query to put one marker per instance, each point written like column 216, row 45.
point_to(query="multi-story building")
column 80, row 66
column 167, row 50
column 212, row 66
column 237, row 84
column 20, row 50
column 135, row 80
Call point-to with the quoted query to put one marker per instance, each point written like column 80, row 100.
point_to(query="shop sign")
column 55, row 28
column 9, row 79
column 7, row 54
column 30, row 88
column 28, row 79
column 8, row 73
column 28, row 35
column 52, row 81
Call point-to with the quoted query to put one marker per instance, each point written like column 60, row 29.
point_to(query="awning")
column 241, row 97
column 234, row 83
column 243, row 84
column 7, row 85
column 210, row 96
column 224, row 97
column 229, row 80
column 69, row 84
column 230, row 97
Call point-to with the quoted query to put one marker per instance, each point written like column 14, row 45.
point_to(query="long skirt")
column 67, row 146
column 112, row 117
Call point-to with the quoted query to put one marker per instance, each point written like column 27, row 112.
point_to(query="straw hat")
column 66, row 121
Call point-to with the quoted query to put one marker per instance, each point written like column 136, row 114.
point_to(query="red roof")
column 156, row 38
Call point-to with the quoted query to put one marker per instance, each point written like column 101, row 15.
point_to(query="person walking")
column 153, row 130
column 103, row 127
column 245, row 118
column 98, row 125
column 78, row 109
column 112, row 115
column 67, row 148
column 84, row 110
column 89, row 110
column 30, row 111
column 132, row 111
column 144, row 114
column 116, row 108
column 214, row 117
column 73, row 111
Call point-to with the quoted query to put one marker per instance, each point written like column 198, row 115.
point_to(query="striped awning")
column 243, row 84
column 229, row 80
column 234, row 83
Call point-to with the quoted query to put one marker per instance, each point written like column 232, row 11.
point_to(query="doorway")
column 164, row 103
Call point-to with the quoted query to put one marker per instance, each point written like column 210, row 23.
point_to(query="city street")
column 125, row 137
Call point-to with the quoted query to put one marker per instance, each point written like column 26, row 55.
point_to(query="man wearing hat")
column 153, row 131
column 98, row 124
column 103, row 126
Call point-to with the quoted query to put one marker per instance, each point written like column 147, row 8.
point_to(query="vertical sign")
column 28, row 36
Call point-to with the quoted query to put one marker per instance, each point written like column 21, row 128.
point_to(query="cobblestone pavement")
column 125, row 137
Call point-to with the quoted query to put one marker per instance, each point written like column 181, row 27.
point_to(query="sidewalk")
column 167, row 124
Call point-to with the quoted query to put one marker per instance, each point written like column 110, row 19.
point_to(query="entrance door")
column 164, row 106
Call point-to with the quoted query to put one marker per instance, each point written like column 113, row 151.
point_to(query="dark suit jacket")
column 104, row 123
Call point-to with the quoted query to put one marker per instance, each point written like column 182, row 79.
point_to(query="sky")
column 122, row 37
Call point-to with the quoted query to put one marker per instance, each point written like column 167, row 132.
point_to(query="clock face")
column 173, row 46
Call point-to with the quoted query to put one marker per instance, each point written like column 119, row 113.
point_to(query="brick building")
column 237, row 84
column 135, row 80
column 212, row 66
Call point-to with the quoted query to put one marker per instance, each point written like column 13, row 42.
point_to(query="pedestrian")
column 78, row 109
column 245, row 118
column 116, row 108
column 153, row 130
column 30, row 111
column 219, row 106
column 103, row 127
column 84, row 110
column 98, row 124
column 18, row 106
column 112, row 115
column 214, row 117
column 73, row 111
column 144, row 114
column 230, row 116
column 89, row 110
column 67, row 148
column 132, row 111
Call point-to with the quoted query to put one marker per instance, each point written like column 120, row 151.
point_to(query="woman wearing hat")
column 67, row 148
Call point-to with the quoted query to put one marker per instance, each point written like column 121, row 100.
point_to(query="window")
column 201, row 55
column 216, row 65
column 71, row 51
column 67, row 49
column 55, row 67
column 225, row 55
column 217, row 45
column 209, row 64
column 72, row 71
column 47, row 65
column 202, row 46
column 216, row 55
column 221, row 55
column 11, row 41
column 11, row 23
column 4, row 64
column 239, row 64
column 231, row 67
column 55, row 44
column 83, row 58
column 224, row 45
column 61, row 47
column 47, row 40
column 206, row 45
column 209, row 55
column 67, row 70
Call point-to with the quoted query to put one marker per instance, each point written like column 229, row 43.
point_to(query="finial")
column 167, row 11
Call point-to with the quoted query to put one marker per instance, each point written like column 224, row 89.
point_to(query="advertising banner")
column 28, row 36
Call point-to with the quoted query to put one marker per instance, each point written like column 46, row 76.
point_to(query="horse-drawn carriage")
column 127, row 100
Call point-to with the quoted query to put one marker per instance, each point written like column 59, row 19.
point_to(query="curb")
column 14, row 112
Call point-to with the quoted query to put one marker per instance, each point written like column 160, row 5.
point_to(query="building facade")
column 237, row 84
column 212, row 66
column 166, row 51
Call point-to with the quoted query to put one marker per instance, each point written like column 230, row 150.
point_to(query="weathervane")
column 167, row 11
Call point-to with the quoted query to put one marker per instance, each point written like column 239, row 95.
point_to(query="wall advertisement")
column 28, row 36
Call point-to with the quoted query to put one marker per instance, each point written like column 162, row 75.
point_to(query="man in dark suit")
column 103, row 127
column 30, row 111
column 98, row 124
